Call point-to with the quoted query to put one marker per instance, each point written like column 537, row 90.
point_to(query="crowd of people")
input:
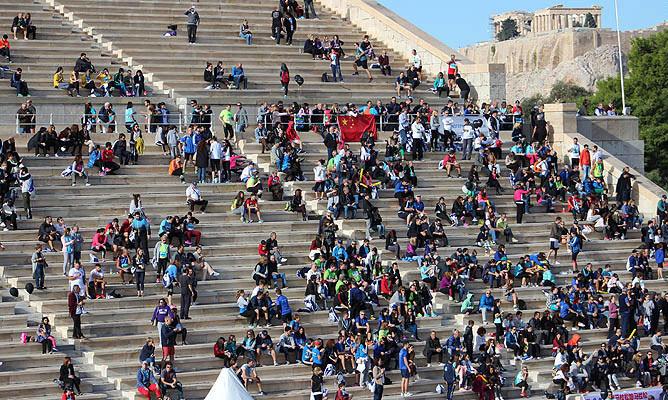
column 379, row 312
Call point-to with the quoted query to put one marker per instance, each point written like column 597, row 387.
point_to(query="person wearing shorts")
column 453, row 70
column 168, row 339
column 555, row 238
column 405, row 371
column 361, row 57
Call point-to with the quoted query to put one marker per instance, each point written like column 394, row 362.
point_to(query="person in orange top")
column 176, row 168
column 4, row 48
column 585, row 161
column 449, row 162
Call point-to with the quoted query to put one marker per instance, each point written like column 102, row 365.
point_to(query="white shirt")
column 319, row 172
column 417, row 129
column 416, row 61
column 216, row 150
column 94, row 274
column 467, row 132
column 79, row 275
column 193, row 193
column 247, row 172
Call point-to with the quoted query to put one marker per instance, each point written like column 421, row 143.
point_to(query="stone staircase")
column 113, row 35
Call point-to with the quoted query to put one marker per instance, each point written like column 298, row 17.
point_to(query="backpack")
column 299, row 80
column 325, row 77
column 166, row 281
column 332, row 315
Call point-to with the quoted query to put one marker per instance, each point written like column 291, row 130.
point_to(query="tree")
column 564, row 92
column 590, row 22
column 508, row 30
column 646, row 93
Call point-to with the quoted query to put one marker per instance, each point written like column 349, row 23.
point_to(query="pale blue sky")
column 461, row 23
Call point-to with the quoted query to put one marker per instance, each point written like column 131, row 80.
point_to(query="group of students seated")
column 99, row 84
column 217, row 78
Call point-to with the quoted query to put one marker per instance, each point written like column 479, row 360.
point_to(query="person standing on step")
column 276, row 25
column 290, row 26
column 38, row 267
column 75, row 303
column 192, row 22
column 309, row 9
column 187, row 284
column 226, row 117
column 27, row 190
column 285, row 79
column 405, row 372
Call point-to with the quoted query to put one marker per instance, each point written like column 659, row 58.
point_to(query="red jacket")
column 585, row 157
column 72, row 304
column 217, row 352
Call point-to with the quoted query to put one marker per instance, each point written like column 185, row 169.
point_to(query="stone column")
column 561, row 120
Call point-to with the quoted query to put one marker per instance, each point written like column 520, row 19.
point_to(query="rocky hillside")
column 584, row 71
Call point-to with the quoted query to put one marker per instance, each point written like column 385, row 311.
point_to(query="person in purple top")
column 160, row 312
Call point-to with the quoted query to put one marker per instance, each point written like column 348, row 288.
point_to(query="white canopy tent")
column 227, row 387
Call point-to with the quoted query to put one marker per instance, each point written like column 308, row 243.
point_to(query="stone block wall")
column 618, row 135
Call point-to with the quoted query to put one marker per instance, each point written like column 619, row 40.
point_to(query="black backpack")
column 325, row 77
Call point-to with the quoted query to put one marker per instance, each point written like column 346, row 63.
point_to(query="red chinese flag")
column 352, row 128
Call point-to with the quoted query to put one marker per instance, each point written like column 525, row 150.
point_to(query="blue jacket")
column 188, row 144
column 486, row 302
column 145, row 378
column 510, row 339
column 283, row 304
column 449, row 373
column 453, row 343
column 339, row 253
column 94, row 156
column 141, row 223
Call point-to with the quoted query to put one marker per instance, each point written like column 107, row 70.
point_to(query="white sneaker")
column 215, row 273
column 408, row 394
column 428, row 365
column 284, row 259
column 87, row 184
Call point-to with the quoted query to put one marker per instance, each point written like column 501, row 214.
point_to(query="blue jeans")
column 585, row 171
column 336, row 71
column 349, row 211
column 281, row 276
column 247, row 37
column 39, row 275
column 238, row 79
column 378, row 392
column 68, row 261
column 451, row 390
column 201, row 174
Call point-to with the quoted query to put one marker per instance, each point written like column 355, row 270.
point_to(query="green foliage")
column 646, row 92
column 508, row 30
column 590, row 22
column 564, row 92
column 647, row 96
column 529, row 102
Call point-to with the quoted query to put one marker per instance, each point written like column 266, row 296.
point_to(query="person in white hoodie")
column 418, row 133
column 319, row 175
column 215, row 155
column 27, row 190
